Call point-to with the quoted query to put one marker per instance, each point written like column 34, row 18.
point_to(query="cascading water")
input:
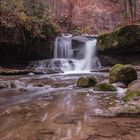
column 63, row 47
column 90, row 60
column 67, row 61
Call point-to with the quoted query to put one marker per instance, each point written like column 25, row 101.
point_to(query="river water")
column 51, row 107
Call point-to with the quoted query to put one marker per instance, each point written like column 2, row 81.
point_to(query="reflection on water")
column 48, row 113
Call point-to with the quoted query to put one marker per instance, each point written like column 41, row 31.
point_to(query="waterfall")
column 64, row 50
column 84, row 60
column 63, row 47
column 89, row 53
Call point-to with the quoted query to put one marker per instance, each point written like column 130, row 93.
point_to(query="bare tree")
column 130, row 9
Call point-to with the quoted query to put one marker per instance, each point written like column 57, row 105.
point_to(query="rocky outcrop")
column 21, row 41
column 121, row 45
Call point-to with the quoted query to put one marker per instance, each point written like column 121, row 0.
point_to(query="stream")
column 51, row 107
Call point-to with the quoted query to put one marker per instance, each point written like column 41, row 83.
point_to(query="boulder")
column 116, row 47
column 104, row 87
column 123, row 40
column 86, row 82
column 133, row 91
column 122, row 73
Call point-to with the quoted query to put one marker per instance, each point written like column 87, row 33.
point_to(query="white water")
column 90, row 60
column 63, row 47
column 64, row 59
column 68, row 65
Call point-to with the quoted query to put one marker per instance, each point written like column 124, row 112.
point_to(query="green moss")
column 33, row 16
column 122, row 73
column 131, row 94
column 49, row 30
column 105, row 87
column 86, row 82
column 121, row 38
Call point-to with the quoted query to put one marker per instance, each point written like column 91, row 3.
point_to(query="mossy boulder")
column 133, row 91
column 123, row 40
column 122, row 73
column 86, row 82
column 104, row 87
column 131, row 94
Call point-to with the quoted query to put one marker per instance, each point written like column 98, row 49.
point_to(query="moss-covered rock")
column 122, row 73
column 123, row 40
column 131, row 94
column 85, row 82
column 133, row 91
column 105, row 87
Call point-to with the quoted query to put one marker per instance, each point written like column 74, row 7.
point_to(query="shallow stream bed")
column 51, row 107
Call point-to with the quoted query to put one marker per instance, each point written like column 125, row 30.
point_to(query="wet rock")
column 22, row 90
column 80, row 38
column 104, row 87
column 11, row 84
column 65, row 119
column 122, row 73
column 39, row 84
column 134, row 85
column 120, row 84
column 133, row 91
column 128, row 110
column 86, row 82
column 63, row 84
column 105, row 69
column 109, row 60
column 19, row 72
column 17, row 110
column 49, row 66
column 7, row 84
column 53, row 71
column 131, row 106
column 3, row 85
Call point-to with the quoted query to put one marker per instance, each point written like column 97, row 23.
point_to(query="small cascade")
column 65, row 59
column 63, row 47
column 90, row 60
